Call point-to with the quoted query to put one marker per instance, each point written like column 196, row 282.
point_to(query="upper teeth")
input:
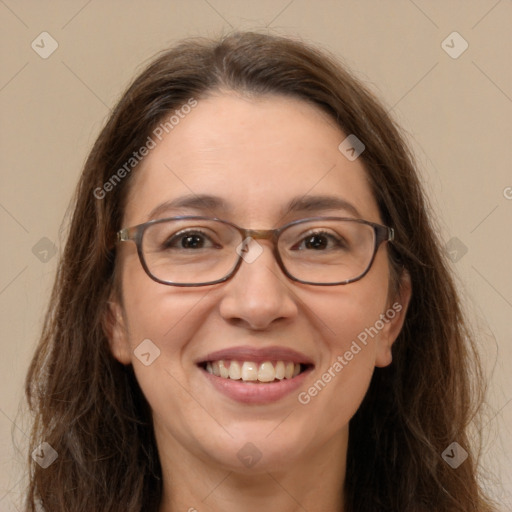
column 250, row 371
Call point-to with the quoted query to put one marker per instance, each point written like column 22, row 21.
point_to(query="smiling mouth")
column 252, row 372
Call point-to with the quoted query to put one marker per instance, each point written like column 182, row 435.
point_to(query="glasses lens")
column 201, row 251
column 190, row 251
column 327, row 251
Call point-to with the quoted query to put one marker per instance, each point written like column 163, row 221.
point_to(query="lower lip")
column 256, row 393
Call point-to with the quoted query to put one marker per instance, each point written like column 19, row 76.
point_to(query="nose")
column 259, row 294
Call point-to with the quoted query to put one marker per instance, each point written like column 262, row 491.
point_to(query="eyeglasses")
column 200, row 251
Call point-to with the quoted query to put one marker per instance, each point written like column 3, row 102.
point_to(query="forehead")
column 257, row 155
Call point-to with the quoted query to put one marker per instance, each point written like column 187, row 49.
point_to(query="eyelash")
column 174, row 240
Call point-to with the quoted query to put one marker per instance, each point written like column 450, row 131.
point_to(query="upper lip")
column 257, row 355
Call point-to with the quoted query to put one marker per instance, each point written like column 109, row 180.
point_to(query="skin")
column 256, row 154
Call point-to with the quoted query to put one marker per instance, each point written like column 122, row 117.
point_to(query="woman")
column 253, row 310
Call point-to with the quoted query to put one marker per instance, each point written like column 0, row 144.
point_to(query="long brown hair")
column 89, row 407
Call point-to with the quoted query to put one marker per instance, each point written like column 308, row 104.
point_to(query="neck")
column 312, row 482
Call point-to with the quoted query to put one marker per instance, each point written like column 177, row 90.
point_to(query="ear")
column 114, row 325
column 393, row 319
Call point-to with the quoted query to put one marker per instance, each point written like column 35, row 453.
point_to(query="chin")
column 254, row 449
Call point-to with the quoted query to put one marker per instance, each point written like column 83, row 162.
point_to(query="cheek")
column 164, row 314
column 350, row 319
column 346, row 313
column 343, row 378
column 336, row 319
column 161, row 322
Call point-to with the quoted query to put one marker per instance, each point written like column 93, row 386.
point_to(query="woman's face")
column 255, row 157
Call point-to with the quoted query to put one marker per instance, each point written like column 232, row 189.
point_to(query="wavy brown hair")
column 89, row 407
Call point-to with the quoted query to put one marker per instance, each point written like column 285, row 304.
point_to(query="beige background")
column 457, row 113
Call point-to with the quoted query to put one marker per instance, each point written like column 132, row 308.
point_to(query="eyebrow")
column 214, row 204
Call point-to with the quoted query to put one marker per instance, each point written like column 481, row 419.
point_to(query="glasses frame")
column 136, row 233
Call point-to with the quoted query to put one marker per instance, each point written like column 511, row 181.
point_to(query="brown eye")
column 320, row 241
column 188, row 240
